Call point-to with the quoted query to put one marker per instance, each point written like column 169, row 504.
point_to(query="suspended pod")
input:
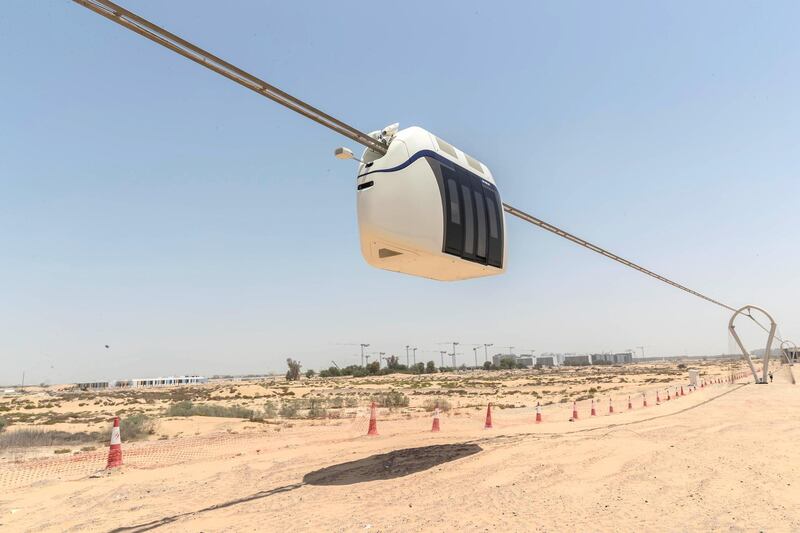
column 427, row 209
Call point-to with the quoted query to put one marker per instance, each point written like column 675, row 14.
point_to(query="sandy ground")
column 721, row 458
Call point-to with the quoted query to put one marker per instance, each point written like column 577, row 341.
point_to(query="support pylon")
column 682, row 393
column 488, row 423
column 610, row 407
column 668, row 398
column 435, row 427
column 373, row 420
column 630, row 405
column 644, row 400
column 538, row 413
column 115, row 448
column 594, row 413
column 574, row 411
column 658, row 399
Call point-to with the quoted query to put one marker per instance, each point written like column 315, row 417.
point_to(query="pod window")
column 446, row 148
column 474, row 163
column 473, row 217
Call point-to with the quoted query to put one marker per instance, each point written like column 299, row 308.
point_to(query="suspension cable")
column 147, row 29
column 762, row 326
column 593, row 247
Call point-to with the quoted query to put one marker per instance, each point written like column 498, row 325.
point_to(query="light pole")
column 475, row 351
column 486, row 352
column 381, row 358
column 414, row 349
column 362, row 353
column 454, row 353
column 441, row 353
column 407, row 347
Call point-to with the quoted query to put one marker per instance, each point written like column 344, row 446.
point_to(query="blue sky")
column 193, row 226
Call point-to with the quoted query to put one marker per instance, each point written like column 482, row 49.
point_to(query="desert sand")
column 722, row 457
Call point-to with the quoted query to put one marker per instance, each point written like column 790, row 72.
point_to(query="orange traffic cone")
column 668, row 398
column 630, row 405
column 538, row 413
column 435, row 427
column 594, row 413
column 115, row 449
column 488, row 423
column 682, row 393
column 373, row 420
column 574, row 411
column 610, row 407
column 644, row 400
column 658, row 399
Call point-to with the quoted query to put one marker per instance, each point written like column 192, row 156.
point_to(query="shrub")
column 270, row 411
column 3, row 424
column 487, row 365
column 432, row 403
column 137, row 426
column 310, row 373
column 430, row 367
column 183, row 408
column 337, row 402
column 35, row 437
column 391, row 399
column 187, row 408
column 351, row 402
column 374, row 368
column 288, row 409
column 62, row 450
column 317, row 409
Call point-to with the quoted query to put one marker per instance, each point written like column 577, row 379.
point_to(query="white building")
column 142, row 382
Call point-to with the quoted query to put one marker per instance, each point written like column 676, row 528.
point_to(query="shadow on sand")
column 390, row 465
column 375, row 467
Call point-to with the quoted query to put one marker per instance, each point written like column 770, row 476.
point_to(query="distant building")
column 577, row 360
column 545, row 360
column 612, row 358
column 93, row 385
column 498, row 357
column 142, row 382
column 525, row 360
column 163, row 382
column 623, row 358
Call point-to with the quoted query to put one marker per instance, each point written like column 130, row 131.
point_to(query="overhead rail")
column 602, row 251
column 145, row 28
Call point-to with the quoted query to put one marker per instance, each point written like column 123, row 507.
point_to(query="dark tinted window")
column 455, row 211
column 495, row 211
column 492, row 217
column 469, row 220
column 480, row 218
column 473, row 223
column 453, row 228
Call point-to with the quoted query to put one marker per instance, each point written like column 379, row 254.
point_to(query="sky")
column 193, row 226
